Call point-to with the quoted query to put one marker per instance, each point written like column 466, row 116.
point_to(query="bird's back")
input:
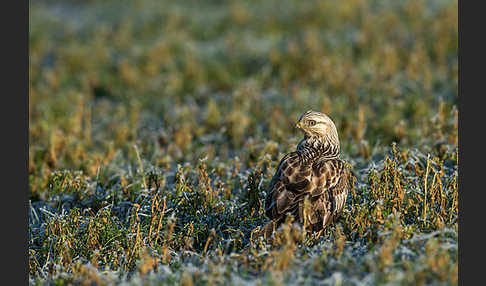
column 324, row 183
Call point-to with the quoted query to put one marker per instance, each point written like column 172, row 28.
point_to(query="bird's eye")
column 312, row 122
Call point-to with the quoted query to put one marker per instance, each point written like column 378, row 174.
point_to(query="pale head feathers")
column 318, row 127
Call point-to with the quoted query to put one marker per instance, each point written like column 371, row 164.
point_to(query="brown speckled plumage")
column 314, row 171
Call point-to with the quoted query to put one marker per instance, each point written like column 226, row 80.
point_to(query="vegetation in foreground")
column 155, row 127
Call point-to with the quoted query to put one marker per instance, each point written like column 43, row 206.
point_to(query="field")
column 155, row 127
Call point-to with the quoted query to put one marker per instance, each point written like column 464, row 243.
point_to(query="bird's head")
column 318, row 124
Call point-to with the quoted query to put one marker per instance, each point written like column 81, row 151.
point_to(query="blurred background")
column 206, row 78
column 122, row 88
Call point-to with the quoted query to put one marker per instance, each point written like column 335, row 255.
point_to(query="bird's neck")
column 317, row 148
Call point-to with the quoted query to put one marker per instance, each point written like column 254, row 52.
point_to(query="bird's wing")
column 331, row 179
column 291, row 181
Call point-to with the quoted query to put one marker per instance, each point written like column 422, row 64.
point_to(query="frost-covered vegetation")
column 155, row 127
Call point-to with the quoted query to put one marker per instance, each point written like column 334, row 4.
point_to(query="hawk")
column 314, row 173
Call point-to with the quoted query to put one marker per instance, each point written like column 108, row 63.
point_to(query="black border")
column 471, row 126
column 14, row 24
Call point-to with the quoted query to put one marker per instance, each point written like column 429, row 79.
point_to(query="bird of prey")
column 313, row 171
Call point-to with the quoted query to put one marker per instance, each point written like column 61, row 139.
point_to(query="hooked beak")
column 298, row 125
